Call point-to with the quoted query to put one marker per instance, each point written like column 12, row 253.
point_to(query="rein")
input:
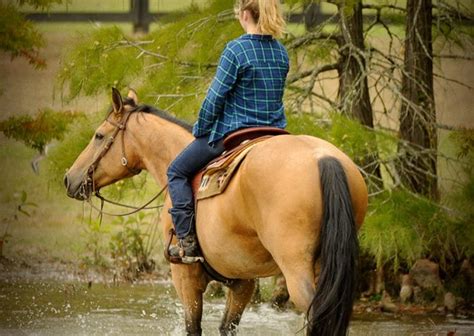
column 136, row 209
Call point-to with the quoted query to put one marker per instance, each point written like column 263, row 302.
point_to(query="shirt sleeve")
column 213, row 104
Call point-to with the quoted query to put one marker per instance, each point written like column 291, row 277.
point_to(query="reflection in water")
column 153, row 309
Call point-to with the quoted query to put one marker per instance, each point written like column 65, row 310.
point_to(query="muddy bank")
column 36, row 270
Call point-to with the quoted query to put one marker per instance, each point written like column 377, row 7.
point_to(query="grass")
column 52, row 225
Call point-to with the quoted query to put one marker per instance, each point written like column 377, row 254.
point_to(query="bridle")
column 89, row 185
column 120, row 126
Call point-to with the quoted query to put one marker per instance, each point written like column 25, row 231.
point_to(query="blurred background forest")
column 389, row 82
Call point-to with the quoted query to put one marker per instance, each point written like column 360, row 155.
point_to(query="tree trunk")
column 417, row 164
column 353, row 95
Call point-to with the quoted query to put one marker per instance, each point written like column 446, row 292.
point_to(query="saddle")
column 214, row 178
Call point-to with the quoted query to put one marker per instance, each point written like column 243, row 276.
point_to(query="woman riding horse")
column 247, row 91
column 293, row 206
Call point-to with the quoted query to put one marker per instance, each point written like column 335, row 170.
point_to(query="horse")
column 293, row 208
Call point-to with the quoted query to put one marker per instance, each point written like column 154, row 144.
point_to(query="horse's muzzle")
column 80, row 191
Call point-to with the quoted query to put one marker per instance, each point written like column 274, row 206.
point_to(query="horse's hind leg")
column 239, row 295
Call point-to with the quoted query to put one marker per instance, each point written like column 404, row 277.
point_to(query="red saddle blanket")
column 215, row 177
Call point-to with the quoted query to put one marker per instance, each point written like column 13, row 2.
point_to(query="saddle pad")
column 218, row 174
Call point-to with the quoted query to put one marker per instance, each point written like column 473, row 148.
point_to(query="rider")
column 247, row 91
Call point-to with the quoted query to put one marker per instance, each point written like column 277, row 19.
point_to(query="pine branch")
column 462, row 57
column 309, row 38
column 313, row 72
column 144, row 51
column 452, row 12
column 453, row 81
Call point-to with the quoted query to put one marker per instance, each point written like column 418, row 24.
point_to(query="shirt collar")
column 257, row 37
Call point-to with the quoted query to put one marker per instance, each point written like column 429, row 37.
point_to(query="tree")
column 18, row 36
column 344, row 50
column 353, row 93
column 417, row 112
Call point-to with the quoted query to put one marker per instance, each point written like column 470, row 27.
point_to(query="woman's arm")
column 213, row 104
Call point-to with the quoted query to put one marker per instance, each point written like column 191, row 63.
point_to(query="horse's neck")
column 158, row 142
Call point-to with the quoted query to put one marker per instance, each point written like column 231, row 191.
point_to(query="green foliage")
column 464, row 138
column 345, row 133
column 40, row 4
column 36, row 132
column 305, row 123
column 125, row 245
column 95, row 235
column 98, row 62
column 186, row 73
column 293, row 3
column 173, row 65
column 61, row 157
column 131, row 248
column 19, row 37
column 393, row 231
column 402, row 227
column 461, row 200
column 451, row 21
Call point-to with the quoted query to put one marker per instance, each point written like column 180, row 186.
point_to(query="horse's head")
column 109, row 156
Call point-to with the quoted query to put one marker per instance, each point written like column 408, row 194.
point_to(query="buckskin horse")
column 293, row 207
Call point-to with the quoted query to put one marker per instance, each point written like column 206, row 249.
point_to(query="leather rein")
column 89, row 180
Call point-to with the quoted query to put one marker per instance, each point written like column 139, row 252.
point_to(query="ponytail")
column 267, row 14
column 271, row 19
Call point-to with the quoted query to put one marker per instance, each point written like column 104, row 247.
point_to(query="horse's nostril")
column 66, row 181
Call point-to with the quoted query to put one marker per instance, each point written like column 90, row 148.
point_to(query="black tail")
column 331, row 308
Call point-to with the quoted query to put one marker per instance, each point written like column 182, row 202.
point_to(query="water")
column 53, row 309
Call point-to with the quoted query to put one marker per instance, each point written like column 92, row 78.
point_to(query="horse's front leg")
column 190, row 283
column 239, row 295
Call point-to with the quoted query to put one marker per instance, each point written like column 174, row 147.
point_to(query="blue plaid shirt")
column 247, row 89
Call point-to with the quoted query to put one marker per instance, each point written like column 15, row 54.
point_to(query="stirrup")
column 191, row 260
column 182, row 259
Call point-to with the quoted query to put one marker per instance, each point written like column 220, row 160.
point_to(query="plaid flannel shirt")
column 247, row 89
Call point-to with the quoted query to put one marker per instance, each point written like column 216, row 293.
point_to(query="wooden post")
column 141, row 17
column 312, row 15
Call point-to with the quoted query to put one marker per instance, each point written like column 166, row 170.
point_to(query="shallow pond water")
column 50, row 308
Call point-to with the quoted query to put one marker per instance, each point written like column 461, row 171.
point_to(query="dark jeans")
column 180, row 173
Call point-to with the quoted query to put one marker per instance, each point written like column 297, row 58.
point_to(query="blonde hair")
column 267, row 14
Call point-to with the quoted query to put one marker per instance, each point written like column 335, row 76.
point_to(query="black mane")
column 159, row 113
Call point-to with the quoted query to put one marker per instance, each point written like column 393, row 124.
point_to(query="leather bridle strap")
column 118, row 127
column 121, row 127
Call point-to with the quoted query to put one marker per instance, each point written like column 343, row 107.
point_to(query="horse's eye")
column 99, row 136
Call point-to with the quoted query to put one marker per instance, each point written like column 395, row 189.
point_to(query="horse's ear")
column 117, row 102
column 132, row 94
